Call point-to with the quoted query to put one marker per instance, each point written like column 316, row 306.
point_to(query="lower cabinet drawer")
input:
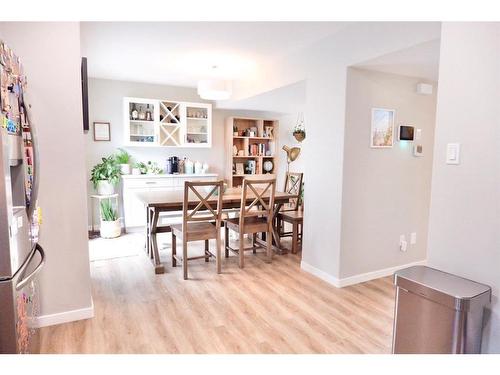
column 145, row 183
column 133, row 210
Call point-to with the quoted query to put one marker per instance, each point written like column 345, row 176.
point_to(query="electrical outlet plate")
column 413, row 238
column 403, row 244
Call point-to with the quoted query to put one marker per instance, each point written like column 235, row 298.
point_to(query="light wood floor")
column 264, row 308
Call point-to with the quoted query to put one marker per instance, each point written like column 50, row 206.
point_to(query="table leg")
column 295, row 237
column 159, row 268
column 276, row 235
column 148, row 225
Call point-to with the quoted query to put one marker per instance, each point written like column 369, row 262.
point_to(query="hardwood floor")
column 263, row 308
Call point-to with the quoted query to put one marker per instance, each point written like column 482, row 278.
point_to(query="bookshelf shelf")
column 254, row 137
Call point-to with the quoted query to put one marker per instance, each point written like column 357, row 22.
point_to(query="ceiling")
column 181, row 53
column 286, row 99
column 421, row 60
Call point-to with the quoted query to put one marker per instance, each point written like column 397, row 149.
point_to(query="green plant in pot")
column 123, row 159
column 110, row 223
column 299, row 131
column 105, row 175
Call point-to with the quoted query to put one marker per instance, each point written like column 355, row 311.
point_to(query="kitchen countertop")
column 139, row 176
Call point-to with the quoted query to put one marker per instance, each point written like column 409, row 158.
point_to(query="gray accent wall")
column 386, row 192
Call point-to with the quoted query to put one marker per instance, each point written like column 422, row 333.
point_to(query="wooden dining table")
column 157, row 202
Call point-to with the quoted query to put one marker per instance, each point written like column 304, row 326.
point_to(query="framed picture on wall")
column 102, row 131
column 382, row 129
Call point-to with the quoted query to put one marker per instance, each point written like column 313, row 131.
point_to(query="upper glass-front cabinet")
column 166, row 123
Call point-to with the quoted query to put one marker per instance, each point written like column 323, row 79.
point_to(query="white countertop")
column 139, row 176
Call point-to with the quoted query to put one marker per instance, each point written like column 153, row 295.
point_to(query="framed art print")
column 102, row 131
column 382, row 128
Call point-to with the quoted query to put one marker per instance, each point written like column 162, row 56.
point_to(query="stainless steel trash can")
column 437, row 312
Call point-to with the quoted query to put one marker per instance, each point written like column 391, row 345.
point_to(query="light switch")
column 453, row 153
column 418, row 134
column 413, row 238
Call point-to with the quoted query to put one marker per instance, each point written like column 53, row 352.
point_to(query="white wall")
column 51, row 56
column 106, row 104
column 465, row 203
column 386, row 192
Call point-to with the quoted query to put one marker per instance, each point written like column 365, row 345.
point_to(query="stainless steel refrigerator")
column 21, row 257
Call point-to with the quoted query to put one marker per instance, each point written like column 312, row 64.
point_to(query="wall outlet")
column 403, row 244
column 413, row 238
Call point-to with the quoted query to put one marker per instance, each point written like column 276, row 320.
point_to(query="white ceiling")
column 181, row 53
column 420, row 61
column 286, row 99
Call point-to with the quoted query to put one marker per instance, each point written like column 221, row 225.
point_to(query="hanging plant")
column 299, row 131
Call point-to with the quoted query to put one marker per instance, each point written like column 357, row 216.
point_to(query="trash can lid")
column 443, row 287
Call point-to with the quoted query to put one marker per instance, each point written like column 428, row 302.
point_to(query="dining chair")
column 254, row 218
column 201, row 221
column 292, row 212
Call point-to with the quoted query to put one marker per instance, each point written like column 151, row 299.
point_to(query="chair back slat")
column 293, row 185
column 205, row 206
column 262, row 192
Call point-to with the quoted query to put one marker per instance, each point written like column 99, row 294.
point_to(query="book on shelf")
column 258, row 149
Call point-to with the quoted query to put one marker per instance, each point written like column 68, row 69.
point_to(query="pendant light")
column 214, row 89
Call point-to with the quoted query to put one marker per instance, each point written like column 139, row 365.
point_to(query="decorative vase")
column 104, row 187
column 299, row 136
column 125, row 168
column 110, row 229
column 136, row 171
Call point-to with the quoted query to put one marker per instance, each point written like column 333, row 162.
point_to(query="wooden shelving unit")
column 254, row 149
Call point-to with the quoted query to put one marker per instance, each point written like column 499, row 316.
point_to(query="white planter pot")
column 125, row 168
column 110, row 229
column 104, row 187
column 136, row 171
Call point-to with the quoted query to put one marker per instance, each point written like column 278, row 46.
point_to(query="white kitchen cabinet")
column 171, row 123
column 133, row 210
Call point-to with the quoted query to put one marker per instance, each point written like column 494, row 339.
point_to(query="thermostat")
column 406, row 133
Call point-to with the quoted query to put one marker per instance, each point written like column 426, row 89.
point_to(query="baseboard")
column 320, row 274
column 65, row 317
column 356, row 279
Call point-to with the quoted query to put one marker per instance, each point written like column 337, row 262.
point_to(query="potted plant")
column 110, row 223
column 123, row 160
column 105, row 176
column 153, row 168
column 141, row 167
column 299, row 132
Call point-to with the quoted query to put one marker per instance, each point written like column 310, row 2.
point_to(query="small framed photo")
column 102, row 131
column 382, row 130
column 240, row 168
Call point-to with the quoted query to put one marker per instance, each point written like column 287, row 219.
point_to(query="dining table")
column 158, row 202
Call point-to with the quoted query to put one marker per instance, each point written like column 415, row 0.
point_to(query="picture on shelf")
column 240, row 168
column 382, row 128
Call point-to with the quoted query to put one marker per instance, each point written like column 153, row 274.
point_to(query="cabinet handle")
column 151, row 182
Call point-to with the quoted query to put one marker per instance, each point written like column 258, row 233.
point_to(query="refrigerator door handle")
column 35, row 165
column 23, row 280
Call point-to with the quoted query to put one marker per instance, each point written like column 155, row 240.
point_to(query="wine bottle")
column 142, row 115
column 134, row 114
column 148, row 113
